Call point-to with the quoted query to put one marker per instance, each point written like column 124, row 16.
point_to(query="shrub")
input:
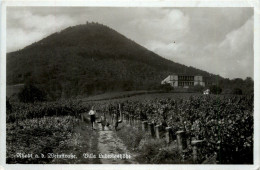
column 227, row 91
column 215, row 89
column 237, row 91
column 166, row 87
column 30, row 94
column 196, row 88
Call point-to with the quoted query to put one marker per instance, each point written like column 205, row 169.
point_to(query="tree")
column 198, row 88
column 214, row 89
column 8, row 105
column 166, row 87
column 237, row 91
column 249, row 86
column 30, row 94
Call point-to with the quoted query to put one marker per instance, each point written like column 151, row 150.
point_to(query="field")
column 152, row 127
column 135, row 96
column 117, row 95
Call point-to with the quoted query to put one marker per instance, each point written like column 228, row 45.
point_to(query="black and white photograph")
column 129, row 85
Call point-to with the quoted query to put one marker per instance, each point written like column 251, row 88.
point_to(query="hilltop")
column 90, row 59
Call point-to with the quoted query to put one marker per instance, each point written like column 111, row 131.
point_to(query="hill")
column 90, row 59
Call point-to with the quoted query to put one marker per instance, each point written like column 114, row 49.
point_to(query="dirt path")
column 110, row 144
column 97, row 142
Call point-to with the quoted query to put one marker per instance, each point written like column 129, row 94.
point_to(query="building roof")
column 185, row 74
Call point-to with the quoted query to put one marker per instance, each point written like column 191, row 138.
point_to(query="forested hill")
column 87, row 59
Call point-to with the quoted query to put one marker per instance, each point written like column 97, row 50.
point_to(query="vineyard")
column 223, row 125
column 220, row 126
column 43, row 128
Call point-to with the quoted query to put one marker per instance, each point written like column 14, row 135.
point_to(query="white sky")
column 217, row 40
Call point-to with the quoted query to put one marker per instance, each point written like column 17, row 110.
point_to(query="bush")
column 166, row 87
column 31, row 94
column 8, row 106
column 196, row 88
column 215, row 89
column 237, row 91
column 227, row 91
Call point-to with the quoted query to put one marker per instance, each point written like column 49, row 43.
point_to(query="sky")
column 217, row 40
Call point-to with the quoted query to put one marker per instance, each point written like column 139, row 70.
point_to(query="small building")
column 206, row 92
column 185, row 81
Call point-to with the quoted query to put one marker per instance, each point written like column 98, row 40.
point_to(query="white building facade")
column 184, row 80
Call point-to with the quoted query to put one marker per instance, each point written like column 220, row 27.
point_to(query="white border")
column 134, row 3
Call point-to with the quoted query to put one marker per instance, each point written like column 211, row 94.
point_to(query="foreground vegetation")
column 224, row 122
column 151, row 150
column 49, row 127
